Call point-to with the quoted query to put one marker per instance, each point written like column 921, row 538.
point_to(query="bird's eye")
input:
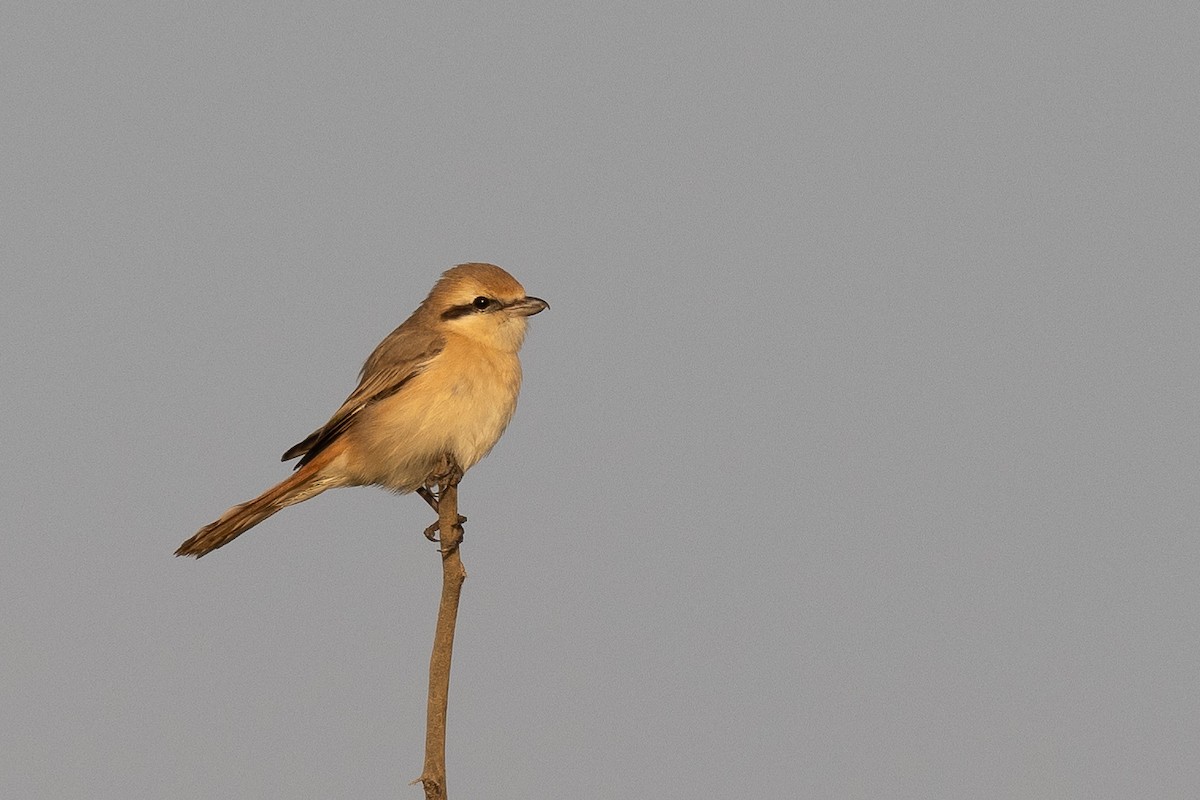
column 481, row 302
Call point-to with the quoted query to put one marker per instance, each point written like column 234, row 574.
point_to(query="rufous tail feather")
column 301, row 485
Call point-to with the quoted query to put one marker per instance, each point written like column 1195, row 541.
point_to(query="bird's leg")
column 447, row 473
column 428, row 496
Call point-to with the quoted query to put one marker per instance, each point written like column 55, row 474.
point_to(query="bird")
column 432, row 399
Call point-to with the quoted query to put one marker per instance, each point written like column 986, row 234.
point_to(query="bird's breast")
column 460, row 403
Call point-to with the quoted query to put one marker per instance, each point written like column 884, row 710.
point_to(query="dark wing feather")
column 398, row 359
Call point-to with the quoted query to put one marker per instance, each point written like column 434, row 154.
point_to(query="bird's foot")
column 447, row 474
column 444, row 477
column 431, row 533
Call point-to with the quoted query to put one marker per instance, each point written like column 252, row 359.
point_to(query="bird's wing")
column 398, row 359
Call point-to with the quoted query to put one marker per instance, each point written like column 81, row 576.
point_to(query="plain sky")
column 857, row 456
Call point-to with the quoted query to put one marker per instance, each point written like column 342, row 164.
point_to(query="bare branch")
column 450, row 531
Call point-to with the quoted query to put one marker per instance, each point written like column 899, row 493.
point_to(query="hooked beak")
column 528, row 306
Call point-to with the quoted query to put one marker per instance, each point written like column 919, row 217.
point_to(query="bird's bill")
column 528, row 306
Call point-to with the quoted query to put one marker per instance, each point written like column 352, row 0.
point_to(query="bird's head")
column 485, row 303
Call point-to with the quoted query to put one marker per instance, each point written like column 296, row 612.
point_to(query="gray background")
column 857, row 456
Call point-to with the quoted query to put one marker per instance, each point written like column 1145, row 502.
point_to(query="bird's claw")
column 446, row 475
column 444, row 550
column 431, row 533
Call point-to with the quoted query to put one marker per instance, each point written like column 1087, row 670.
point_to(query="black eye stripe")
column 479, row 304
column 454, row 312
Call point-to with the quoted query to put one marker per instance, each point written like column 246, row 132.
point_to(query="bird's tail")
column 301, row 485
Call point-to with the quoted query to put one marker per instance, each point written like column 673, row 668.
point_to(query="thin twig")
column 433, row 777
